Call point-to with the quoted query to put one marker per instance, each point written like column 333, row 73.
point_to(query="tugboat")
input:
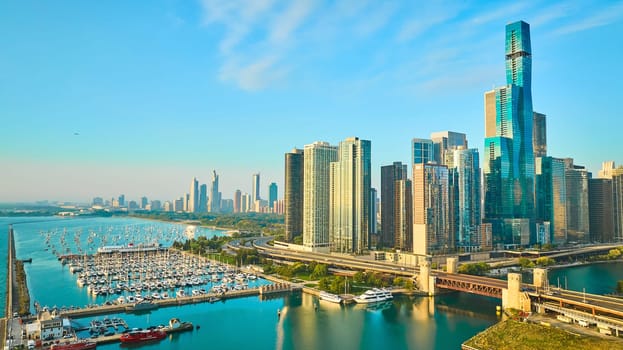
column 143, row 336
column 77, row 345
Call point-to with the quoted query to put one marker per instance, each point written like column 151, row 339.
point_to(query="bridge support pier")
column 540, row 278
column 513, row 297
column 452, row 265
column 427, row 282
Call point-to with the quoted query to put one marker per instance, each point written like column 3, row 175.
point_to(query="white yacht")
column 334, row 298
column 374, row 295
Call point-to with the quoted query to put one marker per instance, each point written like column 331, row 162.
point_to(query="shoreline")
column 214, row 228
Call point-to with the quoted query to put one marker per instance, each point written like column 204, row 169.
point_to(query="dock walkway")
column 118, row 308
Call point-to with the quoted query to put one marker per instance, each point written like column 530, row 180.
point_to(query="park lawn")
column 515, row 335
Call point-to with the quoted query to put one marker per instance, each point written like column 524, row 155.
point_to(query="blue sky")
column 161, row 91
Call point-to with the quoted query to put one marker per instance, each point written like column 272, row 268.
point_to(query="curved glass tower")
column 509, row 159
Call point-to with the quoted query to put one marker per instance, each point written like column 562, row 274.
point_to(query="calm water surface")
column 443, row 322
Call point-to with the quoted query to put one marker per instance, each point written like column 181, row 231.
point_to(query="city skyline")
column 180, row 72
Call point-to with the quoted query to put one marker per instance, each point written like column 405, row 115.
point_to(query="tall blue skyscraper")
column 509, row 163
column 272, row 195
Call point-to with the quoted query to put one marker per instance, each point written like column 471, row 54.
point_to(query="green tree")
column 525, row 263
column 545, row 261
column 323, row 283
column 359, row 277
column 478, row 269
column 320, row 270
column 614, row 254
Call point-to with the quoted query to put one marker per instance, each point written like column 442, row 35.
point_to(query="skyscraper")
column 203, row 198
column 465, row 173
column 316, row 190
column 214, row 202
column 539, row 135
column 422, row 151
column 373, row 207
column 609, row 171
column 272, row 196
column 431, row 210
column 509, row 164
column 601, row 210
column 552, row 197
column 193, row 200
column 578, row 216
column 237, row 201
column 446, row 141
column 294, row 166
column 403, row 214
column 350, row 197
column 389, row 175
column 255, row 188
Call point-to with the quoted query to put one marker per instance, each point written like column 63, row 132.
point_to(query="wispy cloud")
column 600, row 18
column 377, row 19
column 288, row 21
column 255, row 75
column 503, row 12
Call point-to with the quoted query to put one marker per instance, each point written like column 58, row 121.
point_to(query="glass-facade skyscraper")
column 509, row 159
column 349, row 215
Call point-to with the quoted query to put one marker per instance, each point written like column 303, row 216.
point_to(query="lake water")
column 442, row 322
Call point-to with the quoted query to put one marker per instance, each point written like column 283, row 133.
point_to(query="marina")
column 221, row 316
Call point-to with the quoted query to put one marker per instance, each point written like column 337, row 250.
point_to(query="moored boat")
column 77, row 345
column 143, row 336
column 141, row 306
column 326, row 296
column 374, row 295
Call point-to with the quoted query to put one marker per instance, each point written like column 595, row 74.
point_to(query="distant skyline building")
column 316, row 191
column 121, row 200
column 193, row 200
column 272, row 195
column 539, row 135
column 350, row 183
column 390, row 174
column 144, row 202
column 294, row 193
column 509, row 163
column 214, row 202
column 237, row 201
column 203, row 198
column 255, row 187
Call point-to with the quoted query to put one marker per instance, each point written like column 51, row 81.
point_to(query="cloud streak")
column 598, row 19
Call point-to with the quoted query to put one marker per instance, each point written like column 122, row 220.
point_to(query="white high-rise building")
column 349, row 218
column 193, row 200
column 316, row 189
column 255, row 188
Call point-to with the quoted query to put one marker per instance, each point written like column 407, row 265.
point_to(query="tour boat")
column 330, row 297
column 374, row 295
column 77, row 345
column 142, row 336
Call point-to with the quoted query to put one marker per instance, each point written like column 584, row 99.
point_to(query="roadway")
column 597, row 304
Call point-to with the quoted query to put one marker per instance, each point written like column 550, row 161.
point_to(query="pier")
column 118, row 308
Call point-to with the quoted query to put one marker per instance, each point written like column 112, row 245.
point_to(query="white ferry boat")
column 374, row 295
column 333, row 298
